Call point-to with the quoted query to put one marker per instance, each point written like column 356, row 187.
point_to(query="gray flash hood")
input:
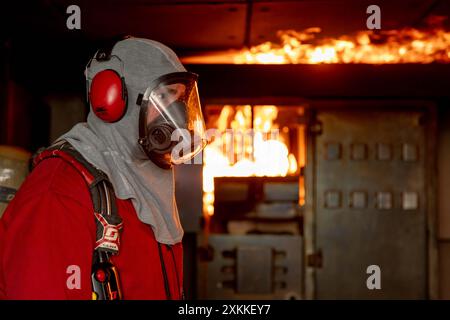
column 114, row 149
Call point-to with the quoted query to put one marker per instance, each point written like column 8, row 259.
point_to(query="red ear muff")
column 107, row 96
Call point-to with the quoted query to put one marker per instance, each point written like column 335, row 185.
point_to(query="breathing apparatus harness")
column 104, row 275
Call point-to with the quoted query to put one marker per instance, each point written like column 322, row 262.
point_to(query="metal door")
column 370, row 204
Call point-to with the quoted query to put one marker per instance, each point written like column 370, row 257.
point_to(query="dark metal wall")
column 371, row 203
column 443, row 179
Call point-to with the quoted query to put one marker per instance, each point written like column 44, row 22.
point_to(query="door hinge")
column 314, row 260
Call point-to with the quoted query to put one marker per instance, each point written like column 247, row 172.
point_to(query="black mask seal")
column 170, row 113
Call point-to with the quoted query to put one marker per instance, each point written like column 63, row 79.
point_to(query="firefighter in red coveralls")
column 97, row 217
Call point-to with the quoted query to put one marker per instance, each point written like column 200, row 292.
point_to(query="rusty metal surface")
column 370, row 204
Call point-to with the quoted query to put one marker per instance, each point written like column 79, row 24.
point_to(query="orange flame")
column 256, row 150
column 407, row 45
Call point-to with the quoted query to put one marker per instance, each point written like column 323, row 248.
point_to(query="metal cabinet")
column 253, row 267
column 369, row 203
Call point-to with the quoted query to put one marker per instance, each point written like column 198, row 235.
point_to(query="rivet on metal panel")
column 358, row 199
column 409, row 152
column 332, row 199
column 384, row 151
column 410, row 200
column 358, row 151
column 280, row 270
column 332, row 150
column 384, row 200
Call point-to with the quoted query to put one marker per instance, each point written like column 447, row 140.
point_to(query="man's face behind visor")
column 171, row 125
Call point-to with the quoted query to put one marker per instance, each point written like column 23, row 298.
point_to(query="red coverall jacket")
column 49, row 226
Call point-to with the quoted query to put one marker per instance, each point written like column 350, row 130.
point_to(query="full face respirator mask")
column 171, row 125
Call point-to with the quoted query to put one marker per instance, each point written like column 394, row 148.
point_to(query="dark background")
column 42, row 60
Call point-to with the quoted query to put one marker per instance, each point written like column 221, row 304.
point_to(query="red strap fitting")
column 89, row 178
